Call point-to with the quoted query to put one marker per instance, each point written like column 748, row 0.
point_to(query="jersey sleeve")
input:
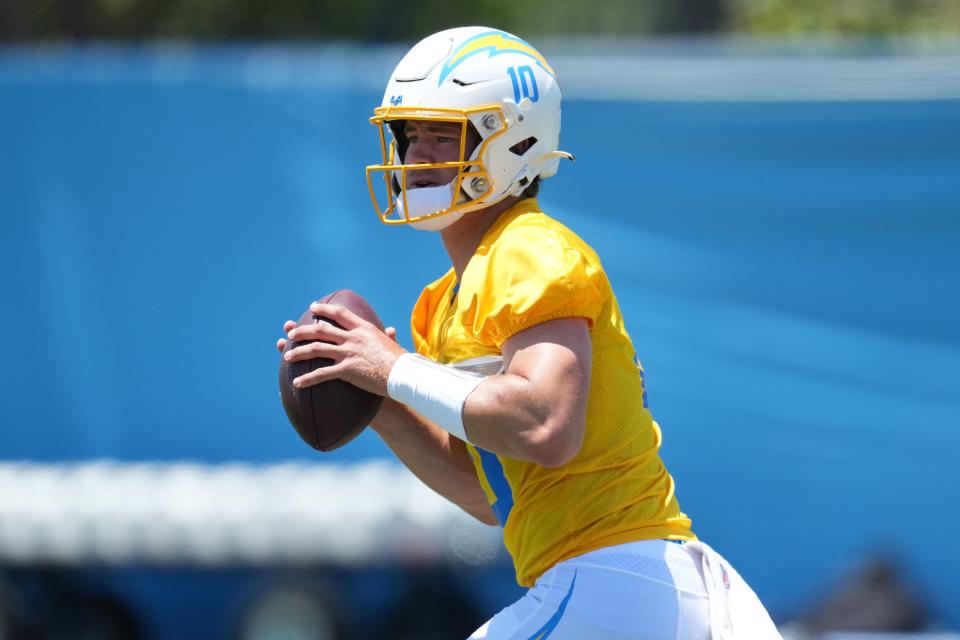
column 532, row 275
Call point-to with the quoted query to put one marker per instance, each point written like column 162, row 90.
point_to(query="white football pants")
column 649, row 590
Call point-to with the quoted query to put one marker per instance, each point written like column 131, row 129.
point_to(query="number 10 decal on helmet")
column 487, row 87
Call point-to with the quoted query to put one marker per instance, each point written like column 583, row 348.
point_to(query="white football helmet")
column 477, row 77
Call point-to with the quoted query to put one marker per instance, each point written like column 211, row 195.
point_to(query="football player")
column 523, row 401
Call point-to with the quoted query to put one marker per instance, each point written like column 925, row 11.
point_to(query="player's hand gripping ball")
column 330, row 414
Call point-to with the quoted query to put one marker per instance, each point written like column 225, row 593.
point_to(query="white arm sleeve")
column 435, row 391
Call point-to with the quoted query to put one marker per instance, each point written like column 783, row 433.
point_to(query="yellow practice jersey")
column 529, row 269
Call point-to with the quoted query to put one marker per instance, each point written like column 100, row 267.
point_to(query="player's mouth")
column 420, row 183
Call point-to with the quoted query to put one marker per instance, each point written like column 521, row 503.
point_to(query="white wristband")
column 435, row 391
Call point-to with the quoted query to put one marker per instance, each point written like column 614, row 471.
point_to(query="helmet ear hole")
column 523, row 146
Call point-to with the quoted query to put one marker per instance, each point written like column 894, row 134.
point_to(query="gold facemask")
column 471, row 186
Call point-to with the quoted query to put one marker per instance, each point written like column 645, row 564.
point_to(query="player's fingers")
column 391, row 333
column 341, row 315
column 313, row 350
column 281, row 345
column 321, row 374
column 318, row 331
column 289, row 324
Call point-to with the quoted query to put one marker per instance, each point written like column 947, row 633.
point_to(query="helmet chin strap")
column 427, row 200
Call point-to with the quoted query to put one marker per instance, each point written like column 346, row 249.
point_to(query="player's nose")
column 419, row 153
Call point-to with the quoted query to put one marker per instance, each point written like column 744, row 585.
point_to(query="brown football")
column 330, row 414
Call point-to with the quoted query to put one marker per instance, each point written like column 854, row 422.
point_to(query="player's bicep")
column 534, row 352
column 555, row 357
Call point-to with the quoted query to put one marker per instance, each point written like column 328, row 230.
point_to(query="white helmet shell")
column 490, row 79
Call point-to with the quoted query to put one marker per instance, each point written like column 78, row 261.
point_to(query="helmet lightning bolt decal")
column 494, row 43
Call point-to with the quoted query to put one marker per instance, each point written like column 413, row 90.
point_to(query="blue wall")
column 788, row 272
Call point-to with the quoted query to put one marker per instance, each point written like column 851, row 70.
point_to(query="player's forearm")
column 439, row 460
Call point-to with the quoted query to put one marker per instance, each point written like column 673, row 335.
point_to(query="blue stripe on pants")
column 551, row 624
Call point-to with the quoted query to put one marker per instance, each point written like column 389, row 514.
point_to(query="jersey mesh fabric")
column 529, row 269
